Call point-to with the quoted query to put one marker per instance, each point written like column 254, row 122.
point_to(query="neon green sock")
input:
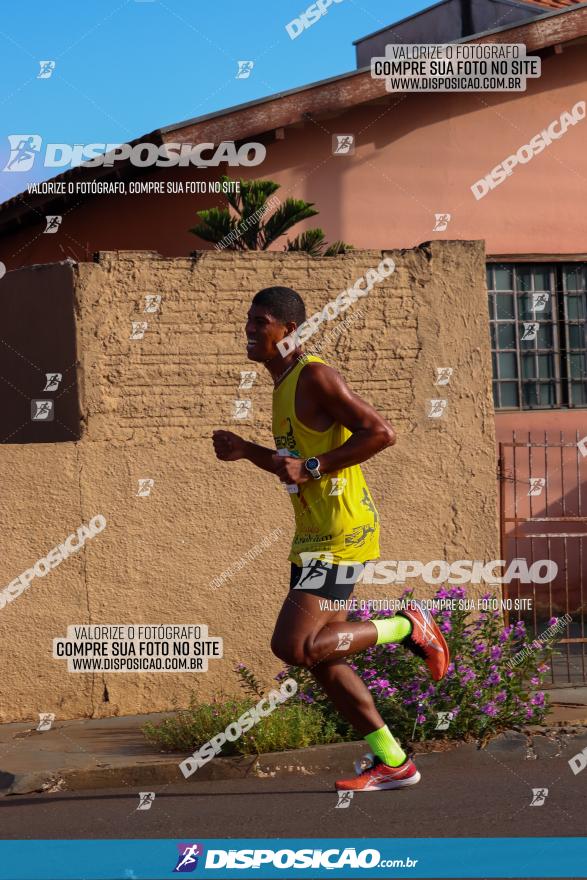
column 386, row 747
column 393, row 629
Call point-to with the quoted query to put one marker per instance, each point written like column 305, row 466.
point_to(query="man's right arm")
column 230, row 447
column 261, row 456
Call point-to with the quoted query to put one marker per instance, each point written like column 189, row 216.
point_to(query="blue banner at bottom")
column 450, row 857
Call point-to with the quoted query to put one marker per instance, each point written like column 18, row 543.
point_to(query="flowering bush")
column 481, row 690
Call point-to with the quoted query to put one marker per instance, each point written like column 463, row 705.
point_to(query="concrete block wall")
column 148, row 408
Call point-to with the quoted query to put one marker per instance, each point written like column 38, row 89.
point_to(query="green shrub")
column 292, row 725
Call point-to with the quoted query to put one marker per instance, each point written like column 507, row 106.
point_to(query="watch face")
column 312, row 464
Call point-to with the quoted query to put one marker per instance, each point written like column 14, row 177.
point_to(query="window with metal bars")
column 538, row 318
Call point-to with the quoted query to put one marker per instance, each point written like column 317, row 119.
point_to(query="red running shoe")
column 380, row 776
column 426, row 640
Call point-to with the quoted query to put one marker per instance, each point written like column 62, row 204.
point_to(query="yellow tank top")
column 333, row 515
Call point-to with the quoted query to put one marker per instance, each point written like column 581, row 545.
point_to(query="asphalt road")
column 463, row 793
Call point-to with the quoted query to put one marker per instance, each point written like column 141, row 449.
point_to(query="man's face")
column 263, row 333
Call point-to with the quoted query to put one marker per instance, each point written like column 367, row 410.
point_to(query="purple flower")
column 505, row 634
column 520, row 627
column 456, row 593
column 534, row 680
column 381, row 683
column 493, row 679
column 490, row 709
column 552, row 621
column 421, row 719
column 537, row 699
column 529, row 714
column 442, row 593
column 450, row 670
column 478, row 648
column 445, row 626
column 495, row 653
column 391, row 647
column 467, row 675
column 543, row 667
column 501, row 697
column 306, row 698
column 477, row 694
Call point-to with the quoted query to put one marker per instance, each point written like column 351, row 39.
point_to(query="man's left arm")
column 370, row 432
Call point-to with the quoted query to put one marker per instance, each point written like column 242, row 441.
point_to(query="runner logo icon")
column 187, row 860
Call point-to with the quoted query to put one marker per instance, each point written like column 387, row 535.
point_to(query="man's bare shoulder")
column 315, row 375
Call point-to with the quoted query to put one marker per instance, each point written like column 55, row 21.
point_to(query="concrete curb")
column 335, row 759
column 338, row 758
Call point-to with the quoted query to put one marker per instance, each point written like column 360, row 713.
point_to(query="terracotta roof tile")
column 553, row 4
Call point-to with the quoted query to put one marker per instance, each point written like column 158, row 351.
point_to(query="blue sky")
column 125, row 67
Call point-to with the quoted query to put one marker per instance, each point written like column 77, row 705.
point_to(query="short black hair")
column 282, row 303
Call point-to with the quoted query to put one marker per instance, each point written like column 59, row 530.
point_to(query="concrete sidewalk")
column 108, row 752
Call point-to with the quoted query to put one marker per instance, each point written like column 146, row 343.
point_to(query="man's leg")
column 310, row 634
column 302, row 634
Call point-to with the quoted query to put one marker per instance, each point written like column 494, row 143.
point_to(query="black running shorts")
column 322, row 579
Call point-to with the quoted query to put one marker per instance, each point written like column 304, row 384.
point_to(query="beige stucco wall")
column 149, row 407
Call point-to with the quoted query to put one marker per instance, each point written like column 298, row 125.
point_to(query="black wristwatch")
column 312, row 465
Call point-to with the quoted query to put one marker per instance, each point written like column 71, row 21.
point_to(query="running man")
column 323, row 431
